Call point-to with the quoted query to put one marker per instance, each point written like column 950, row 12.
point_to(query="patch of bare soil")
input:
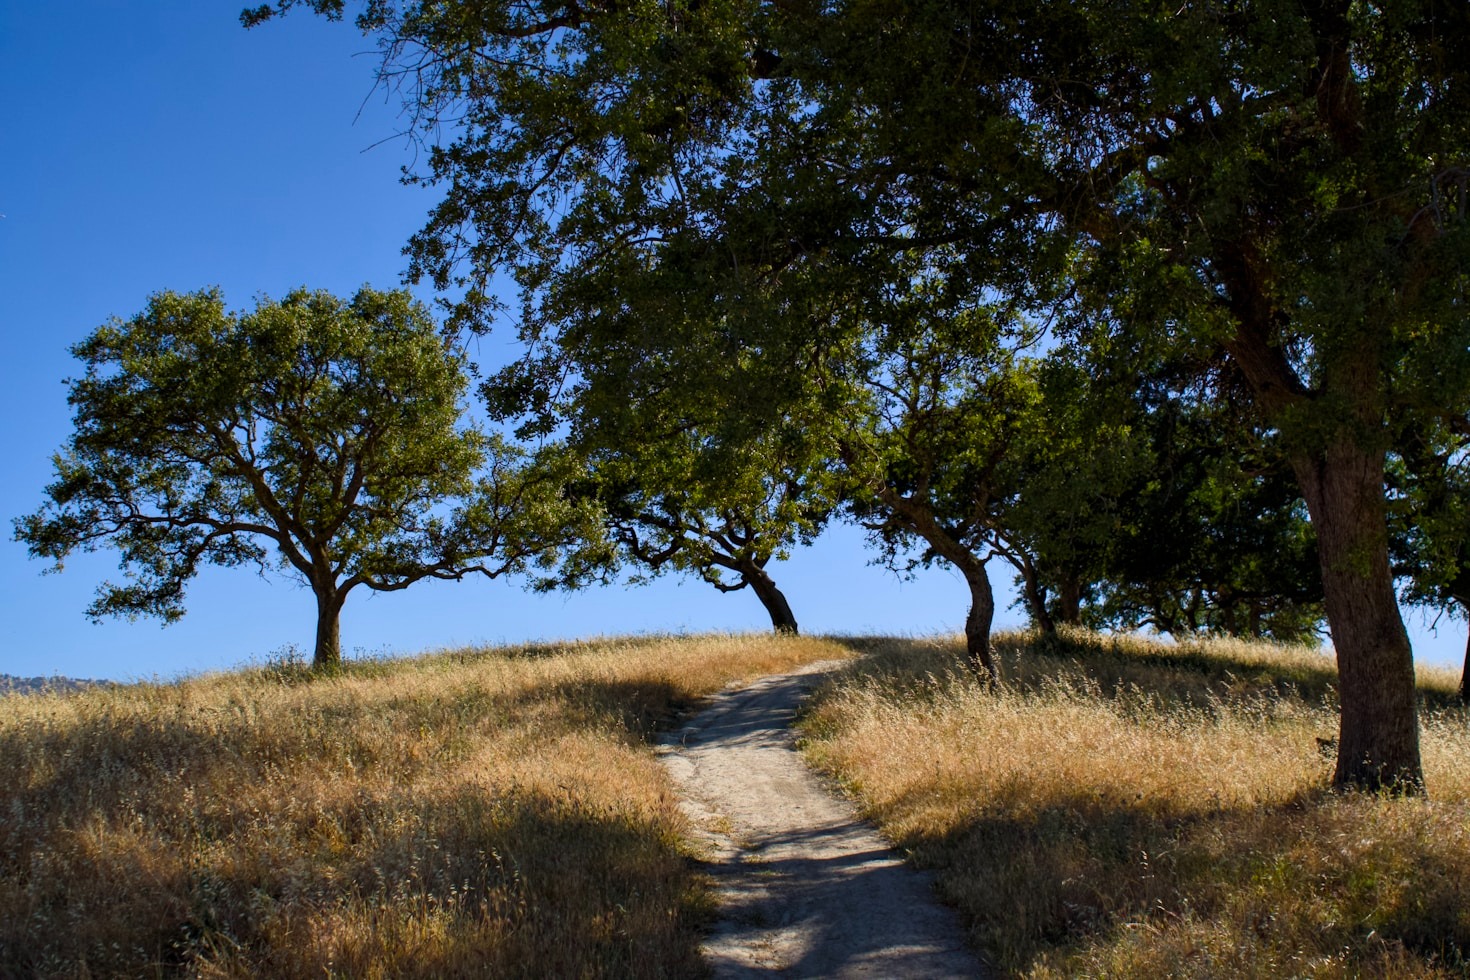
column 806, row 888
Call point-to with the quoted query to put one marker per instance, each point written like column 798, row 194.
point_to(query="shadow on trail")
column 827, row 900
column 805, row 887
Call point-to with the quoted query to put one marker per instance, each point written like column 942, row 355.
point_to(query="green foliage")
column 1430, row 519
column 1432, row 516
column 669, row 408
column 1278, row 187
column 1068, row 482
column 1209, row 533
column 949, row 408
column 318, row 435
column 724, row 528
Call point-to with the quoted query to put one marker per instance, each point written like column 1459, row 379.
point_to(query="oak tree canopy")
column 1281, row 184
column 322, row 436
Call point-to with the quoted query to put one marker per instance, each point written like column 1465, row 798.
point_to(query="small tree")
column 1156, row 498
column 699, row 460
column 930, row 467
column 728, row 545
column 1215, row 537
column 322, row 435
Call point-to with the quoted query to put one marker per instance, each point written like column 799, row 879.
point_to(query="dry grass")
column 1129, row 809
column 488, row 813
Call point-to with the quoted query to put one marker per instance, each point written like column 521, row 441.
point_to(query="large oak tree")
column 1282, row 180
column 324, row 436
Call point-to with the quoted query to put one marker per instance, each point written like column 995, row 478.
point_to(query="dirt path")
column 806, row 889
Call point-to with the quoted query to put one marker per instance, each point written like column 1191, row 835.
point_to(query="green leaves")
column 322, row 435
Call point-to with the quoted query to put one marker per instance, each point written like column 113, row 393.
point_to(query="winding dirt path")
column 806, row 889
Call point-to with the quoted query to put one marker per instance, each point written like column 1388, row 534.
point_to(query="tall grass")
column 1125, row 808
column 486, row 813
column 1121, row 808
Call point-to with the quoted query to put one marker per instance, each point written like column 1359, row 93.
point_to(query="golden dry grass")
column 1130, row 809
column 485, row 813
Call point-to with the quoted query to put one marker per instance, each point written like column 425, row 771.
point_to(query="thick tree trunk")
column 328, row 652
column 1069, row 600
column 1378, row 742
column 977, row 623
column 782, row 620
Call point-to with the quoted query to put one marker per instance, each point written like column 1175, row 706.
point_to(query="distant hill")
column 32, row 685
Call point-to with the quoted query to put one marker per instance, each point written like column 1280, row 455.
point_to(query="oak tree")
column 1284, row 181
column 930, row 465
column 1430, row 519
column 323, row 436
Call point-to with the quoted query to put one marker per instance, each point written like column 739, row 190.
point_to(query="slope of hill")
column 1119, row 808
column 1131, row 809
column 472, row 813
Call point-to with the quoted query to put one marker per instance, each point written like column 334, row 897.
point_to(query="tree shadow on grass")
column 464, row 883
column 1123, row 884
column 643, row 707
column 107, row 759
column 1191, row 672
column 133, row 857
column 1267, row 888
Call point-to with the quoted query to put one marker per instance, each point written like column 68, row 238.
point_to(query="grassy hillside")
column 1128, row 809
column 476, row 813
column 1120, row 809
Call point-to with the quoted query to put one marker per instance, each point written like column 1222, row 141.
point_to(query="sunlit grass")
column 1121, row 808
column 486, row 813
column 1126, row 808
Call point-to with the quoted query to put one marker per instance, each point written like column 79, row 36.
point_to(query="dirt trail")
column 806, row 889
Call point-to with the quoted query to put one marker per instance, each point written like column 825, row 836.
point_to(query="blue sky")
column 158, row 145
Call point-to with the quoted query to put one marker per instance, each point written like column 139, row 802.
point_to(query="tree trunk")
column 1069, row 599
column 1465, row 674
column 328, row 652
column 1378, row 742
column 1225, row 602
column 977, row 623
column 782, row 620
column 1035, row 594
column 1460, row 592
column 918, row 517
column 1342, row 483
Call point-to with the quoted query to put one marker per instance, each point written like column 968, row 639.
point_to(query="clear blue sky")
column 158, row 145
